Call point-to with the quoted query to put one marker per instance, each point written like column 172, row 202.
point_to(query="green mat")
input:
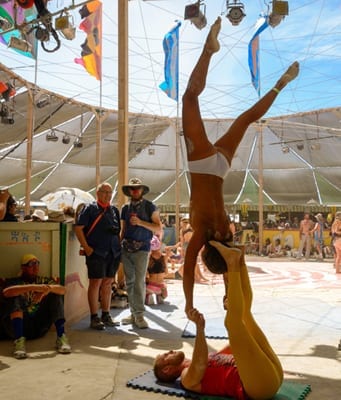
column 148, row 382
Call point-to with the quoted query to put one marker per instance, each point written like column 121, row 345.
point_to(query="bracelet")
column 275, row 90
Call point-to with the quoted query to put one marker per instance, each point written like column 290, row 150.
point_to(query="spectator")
column 336, row 233
column 30, row 304
column 156, row 272
column 267, row 247
column 306, row 226
column 97, row 228
column 317, row 231
column 140, row 220
column 276, row 249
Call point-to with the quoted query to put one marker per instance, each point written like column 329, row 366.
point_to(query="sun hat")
column 40, row 214
column 155, row 243
column 134, row 183
column 26, row 258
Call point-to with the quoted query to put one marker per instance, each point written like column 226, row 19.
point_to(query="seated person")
column 252, row 245
column 276, row 249
column 29, row 305
column 267, row 247
column 156, row 272
column 253, row 371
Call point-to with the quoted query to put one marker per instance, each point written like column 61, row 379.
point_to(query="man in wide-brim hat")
column 140, row 219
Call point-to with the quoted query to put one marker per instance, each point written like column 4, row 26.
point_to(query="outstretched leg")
column 198, row 146
column 229, row 143
column 260, row 373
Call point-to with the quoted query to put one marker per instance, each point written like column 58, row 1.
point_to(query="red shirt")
column 222, row 378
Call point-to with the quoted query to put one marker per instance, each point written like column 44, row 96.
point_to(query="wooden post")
column 122, row 99
column 261, row 184
column 30, row 125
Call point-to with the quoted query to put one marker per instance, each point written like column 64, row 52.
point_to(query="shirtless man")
column 253, row 371
column 208, row 163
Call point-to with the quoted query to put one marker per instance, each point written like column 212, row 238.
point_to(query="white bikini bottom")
column 213, row 165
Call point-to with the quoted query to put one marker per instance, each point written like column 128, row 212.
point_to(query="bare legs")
column 259, row 368
column 198, row 146
column 229, row 142
column 99, row 288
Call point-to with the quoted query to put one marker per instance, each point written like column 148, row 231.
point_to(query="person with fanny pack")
column 140, row 219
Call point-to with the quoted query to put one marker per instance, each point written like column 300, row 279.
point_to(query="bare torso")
column 208, row 216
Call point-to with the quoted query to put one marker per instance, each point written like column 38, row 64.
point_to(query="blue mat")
column 148, row 382
column 214, row 329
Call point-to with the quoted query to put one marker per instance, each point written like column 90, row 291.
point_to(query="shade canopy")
column 300, row 160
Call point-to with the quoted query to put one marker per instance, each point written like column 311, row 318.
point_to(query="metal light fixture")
column 65, row 25
column 279, row 10
column 43, row 101
column 66, row 139
column 235, row 12
column 5, row 24
column 315, row 146
column 7, row 90
column 19, row 44
column 52, row 137
column 285, row 149
column 78, row 143
column 7, row 117
column 195, row 15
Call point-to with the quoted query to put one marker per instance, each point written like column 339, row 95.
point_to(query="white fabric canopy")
column 301, row 154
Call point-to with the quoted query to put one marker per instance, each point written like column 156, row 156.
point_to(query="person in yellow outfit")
column 247, row 368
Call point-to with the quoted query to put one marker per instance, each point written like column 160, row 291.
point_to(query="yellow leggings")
column 259, row 368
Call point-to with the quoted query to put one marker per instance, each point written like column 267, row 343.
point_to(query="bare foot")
column 231, row 255
column 289, row 75
column 212, row 44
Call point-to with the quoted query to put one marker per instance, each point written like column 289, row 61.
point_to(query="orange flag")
column 91, row 55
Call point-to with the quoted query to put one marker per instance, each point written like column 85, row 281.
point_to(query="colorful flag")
column 261, row 24
column 171, row 48
column 91, row 55
column 8, row 21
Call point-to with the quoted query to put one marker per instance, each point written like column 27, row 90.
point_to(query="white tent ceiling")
column 309, row 171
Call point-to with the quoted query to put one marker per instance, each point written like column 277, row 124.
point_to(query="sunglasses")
column 32, row 263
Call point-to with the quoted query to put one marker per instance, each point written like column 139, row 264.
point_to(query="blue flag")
column 171, row 48
column 261, row 24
